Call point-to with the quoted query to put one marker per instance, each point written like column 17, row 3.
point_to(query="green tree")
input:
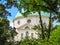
column 53, row 11
column 4, row 26
column 55, row 38
column 38, row 29
column 41, row 5
column 5, row 32
column 34, row 42
column 10, row 40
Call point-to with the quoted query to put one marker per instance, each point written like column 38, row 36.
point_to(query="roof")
column 42, row 13
column 45, row 13
column 36, row 13
column 18, row 14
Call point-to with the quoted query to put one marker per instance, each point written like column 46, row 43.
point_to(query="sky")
column 13, row 12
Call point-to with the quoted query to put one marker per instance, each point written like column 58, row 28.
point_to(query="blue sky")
column 13, row 12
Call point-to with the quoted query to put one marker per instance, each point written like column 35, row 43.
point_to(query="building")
column 24, row 25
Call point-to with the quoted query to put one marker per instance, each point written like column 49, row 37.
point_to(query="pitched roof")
column 18, row 14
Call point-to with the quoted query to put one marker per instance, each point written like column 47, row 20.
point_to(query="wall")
column 18, row 36
column 23, row 21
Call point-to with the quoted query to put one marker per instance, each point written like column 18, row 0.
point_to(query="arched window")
column 21, row 35
column 18, row 22
column 27, row 34
column 32, row 34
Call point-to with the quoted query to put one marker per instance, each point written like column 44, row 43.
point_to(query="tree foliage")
column 4, row 26
column 55, row 38
column 6, row 33
column 34, row 42
column 38, row 6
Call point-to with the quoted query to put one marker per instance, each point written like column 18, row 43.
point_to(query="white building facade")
column 24, row 25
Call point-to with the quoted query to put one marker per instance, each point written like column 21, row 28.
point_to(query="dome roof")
column 36, row 13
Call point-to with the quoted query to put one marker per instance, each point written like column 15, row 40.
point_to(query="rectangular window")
column 27, row 34
column 32, row 35
column 21, row 35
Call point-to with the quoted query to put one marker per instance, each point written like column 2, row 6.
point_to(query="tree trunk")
column 49, row 28
column 41, row 23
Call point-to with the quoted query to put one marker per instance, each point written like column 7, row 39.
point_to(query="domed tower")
column 24, row 25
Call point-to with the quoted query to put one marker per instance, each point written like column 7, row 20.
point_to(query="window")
column 28, row 20
column 18, row 22
column 27, row 34
column 32, row 35
column 21, row 35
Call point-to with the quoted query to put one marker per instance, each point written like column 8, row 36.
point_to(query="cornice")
column 20, row 17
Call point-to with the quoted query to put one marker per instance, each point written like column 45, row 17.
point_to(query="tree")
column 38, row 29
column 41, row 5
column 55, row 38
column 34, row 42
column 5, row 33
column 4, row 26
column 12, row 33
column 53, row 12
